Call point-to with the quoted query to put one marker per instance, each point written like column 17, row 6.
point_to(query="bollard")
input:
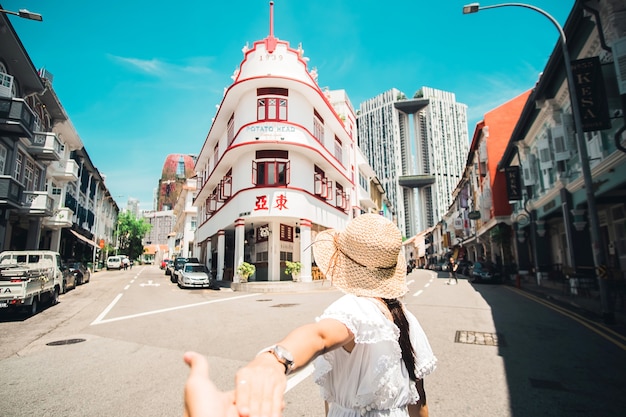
column 518, row 281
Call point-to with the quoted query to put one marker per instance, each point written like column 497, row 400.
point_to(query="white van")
column 114, row 262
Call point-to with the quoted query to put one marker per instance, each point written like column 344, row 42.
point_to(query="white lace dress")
column 372, row 380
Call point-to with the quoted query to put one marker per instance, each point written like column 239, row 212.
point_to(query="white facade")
column 276, row 167
column 417, row 148
column 185, row 216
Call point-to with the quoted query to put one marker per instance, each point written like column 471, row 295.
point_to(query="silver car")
column 194, row 275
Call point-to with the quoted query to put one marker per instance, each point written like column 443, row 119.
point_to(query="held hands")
column 202, row 398
column 259, row 389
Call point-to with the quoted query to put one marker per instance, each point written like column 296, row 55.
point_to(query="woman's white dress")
column 372, row 380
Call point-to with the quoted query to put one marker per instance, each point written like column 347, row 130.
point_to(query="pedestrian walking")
column 452, row 267
column 370, row 354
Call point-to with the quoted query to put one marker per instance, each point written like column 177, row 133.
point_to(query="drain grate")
column 264, row 299
column 284, row 305
column 65, row 342
column 479, row 338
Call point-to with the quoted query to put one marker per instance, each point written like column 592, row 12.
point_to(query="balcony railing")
column 37, row 203
column 63, row 170
column 10, row 192
column 46, row 146
column 60, row 218
column 16, row 117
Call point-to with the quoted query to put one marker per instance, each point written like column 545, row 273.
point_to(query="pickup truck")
column 30, row 278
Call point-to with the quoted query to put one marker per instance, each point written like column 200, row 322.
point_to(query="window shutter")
column 545, row 156
column 329, row 189
column 529, row 170
column 254, row 173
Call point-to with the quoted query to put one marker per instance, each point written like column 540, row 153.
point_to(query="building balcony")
column 46, row 146
column 10, row 192
column 16, row 117
column 61, row 171
column 61, row 218
column 37, row 203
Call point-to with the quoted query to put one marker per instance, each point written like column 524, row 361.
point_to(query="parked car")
column 169, row 267
column 484, row 272
column 114, row 262
column 194, row 275
column 69, row 279
column 178, row 265
column 80, row 271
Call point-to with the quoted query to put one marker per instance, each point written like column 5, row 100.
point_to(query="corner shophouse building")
column 276, row 168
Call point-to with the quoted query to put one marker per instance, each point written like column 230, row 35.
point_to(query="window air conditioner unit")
column 619, row 57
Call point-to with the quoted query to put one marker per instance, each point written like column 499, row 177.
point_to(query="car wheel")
column 55, row 296
column 34, row 307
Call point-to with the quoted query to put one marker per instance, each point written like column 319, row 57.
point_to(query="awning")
column 84, row 239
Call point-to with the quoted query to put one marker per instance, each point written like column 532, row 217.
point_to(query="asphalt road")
column 500, row 352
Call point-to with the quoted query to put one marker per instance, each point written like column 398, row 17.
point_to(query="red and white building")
column 277, row 166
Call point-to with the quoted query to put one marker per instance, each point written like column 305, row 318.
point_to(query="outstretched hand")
column 202, row 398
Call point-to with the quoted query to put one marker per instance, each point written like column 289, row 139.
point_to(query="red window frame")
column 271, row 108
column 271, row 169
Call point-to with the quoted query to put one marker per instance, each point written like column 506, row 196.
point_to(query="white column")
column 240, row 231
column 209, row 255
column 221, row 248
column 305, row 250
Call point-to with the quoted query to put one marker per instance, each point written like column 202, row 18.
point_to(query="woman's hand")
column 202, row 398
column 260, row 387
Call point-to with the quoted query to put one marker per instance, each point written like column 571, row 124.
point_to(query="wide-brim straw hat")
column 366, row 259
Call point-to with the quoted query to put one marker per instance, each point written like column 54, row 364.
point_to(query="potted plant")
column 293, row 269
column 245, row 270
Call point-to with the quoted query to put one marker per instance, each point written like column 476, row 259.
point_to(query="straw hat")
column 366, row 259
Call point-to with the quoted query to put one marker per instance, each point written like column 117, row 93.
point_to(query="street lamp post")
column 599, row 257
column 25, row 14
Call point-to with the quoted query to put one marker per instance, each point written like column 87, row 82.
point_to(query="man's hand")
column 202, row 398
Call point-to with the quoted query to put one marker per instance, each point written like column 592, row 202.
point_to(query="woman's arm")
column 260, row 385
column 421, row 408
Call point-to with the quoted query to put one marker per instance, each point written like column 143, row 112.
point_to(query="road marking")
column 126, row 287
column 591, row 325
column 410, row 282
column 101, row 320
column 106, row 310
column 299, row 376
column 427, row 285
column 149, row 284
column 418, row 293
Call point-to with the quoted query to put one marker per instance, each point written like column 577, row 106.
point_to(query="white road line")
column 418, row 293
column 106, row 310
column 126, row 287
column 99, row 320
column 427, row 285
column 410, row 282
column 299, row 377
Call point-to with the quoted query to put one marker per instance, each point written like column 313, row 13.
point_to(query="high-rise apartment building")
column 418, row 149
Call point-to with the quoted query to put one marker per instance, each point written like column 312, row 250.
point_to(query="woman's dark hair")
column 408, row 354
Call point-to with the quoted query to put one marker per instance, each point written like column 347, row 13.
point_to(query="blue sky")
column 141, row 79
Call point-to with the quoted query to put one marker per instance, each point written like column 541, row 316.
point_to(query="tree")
column 130, row 232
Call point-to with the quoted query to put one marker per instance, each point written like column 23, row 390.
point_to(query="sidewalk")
column 587, row 303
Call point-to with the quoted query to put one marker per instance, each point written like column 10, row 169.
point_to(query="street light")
column 25, row 14
column 599, row 257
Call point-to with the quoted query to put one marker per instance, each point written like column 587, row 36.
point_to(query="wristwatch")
column 282, row 355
